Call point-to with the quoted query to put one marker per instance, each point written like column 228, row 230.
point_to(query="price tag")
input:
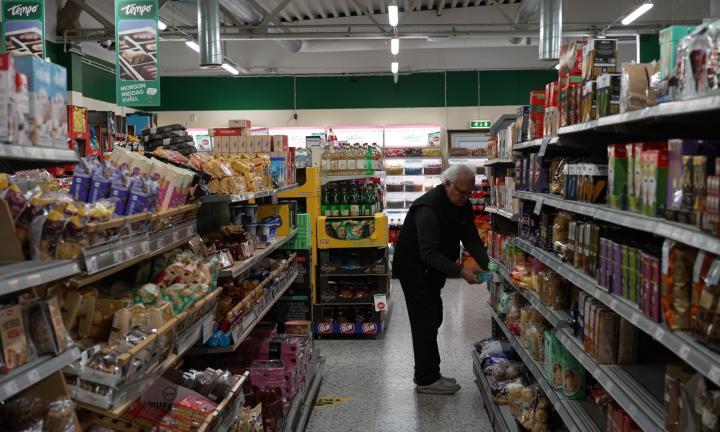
column 130, row 252
column 613, row 304
column 236, row 331
column 33, row 376
column 10, row 388
column 380, row 302
column 33, row 279
column 175, row 236
column 91, row 264
column 13, row 283
column 684, row 352
column 632, row 410
column 538, row 205
column 207, row 328
column 161, row 242
column 714, row 374
column 117, row 255
column 609, row 386
column 634, row 319
column 16, row 151
column 543, row 146
column 659, row 333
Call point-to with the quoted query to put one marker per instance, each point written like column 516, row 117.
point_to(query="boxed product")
column 20, row 111
column 654, row 179
column 608, row 94
column 669, row 39
column 265, row 143
column 636, row 91
column 617, row 176
column 589, row 103
column 537, row 114
column 573, row 374
column 245, row 124
column 522, row 117
column 39, row 77
column 7, row 89
column 58, row 97
column 279, row 143
column 599, row 57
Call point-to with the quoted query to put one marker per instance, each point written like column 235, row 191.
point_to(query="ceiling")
column 352, row 36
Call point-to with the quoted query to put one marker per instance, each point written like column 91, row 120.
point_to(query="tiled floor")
column 377, row 374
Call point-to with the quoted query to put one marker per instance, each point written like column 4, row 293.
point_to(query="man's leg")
column 422, row 304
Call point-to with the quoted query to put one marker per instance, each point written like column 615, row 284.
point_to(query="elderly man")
column 425, row 255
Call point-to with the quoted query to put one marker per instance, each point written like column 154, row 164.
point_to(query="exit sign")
column 480, row 124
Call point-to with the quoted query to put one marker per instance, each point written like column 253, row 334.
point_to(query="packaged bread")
column 120, row 325
column 70, row 309
column 605, row 336
column 12, row 334
column 62, row 338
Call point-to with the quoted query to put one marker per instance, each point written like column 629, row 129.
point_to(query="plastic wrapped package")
column 636, row 91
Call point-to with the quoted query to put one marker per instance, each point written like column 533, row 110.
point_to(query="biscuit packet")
column 573, row 375
column 15, row 347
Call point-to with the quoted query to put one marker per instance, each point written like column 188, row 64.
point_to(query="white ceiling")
column 370, row 56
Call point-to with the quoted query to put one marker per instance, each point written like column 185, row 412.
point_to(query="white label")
column 10, row 388
column 175, row 236
column 33, row 279
column 543, row 147
column 207, row 328
column 380, row 302
column 538, row 206
column 666, row 255
column 613, row 304
column 714, row 374
column 351, row 164
column 91, row 264
column 342, row 165
column 161, row 242
column 33, row 376
column 634, row 319
column 659, row 333
column 684, row 352
column 236, row 332
column 130, row 252
column 698, row 266
column 117, row 255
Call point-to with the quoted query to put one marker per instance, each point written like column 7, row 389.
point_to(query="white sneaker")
column 448, row 379
column 440, row 387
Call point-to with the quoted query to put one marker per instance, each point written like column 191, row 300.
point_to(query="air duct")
column 524, row 14
column 211, row 55
column 550, row 29
column 251, row 13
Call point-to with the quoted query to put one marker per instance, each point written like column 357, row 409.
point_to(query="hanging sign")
column 479, row 124
column 23, row 27
column 137, row 79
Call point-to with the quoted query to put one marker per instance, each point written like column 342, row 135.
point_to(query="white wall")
column 450, row 118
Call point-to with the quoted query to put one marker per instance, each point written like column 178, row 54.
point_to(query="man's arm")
column 428, row 234
column 472, row 243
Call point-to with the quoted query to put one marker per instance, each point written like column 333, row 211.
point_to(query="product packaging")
column 589, row 102
column 522, row 118
column 599, row 57
column 655, row 181
column 669, row 39
column 636, row 91
column 58, row 96
column 608, row 94
column 617, row 176
column 39, row 77
column 537, row 114
column 7, row 89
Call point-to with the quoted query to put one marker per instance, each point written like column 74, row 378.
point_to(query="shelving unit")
column 26, row 274
column 245, row 265
column 325, row 179
column 500, row 416
column 695, row 354
column 246, row 196
column 37, row 370
column 22, row 157
column 302, row 403
column 502, row 212
column 500, row 161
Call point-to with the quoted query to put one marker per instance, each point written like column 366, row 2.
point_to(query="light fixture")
column 230, row 69
column 637, row 13
column 193, row 45
column 161, row 25
column 394, row 46
column 394, row 67
column 557, row 66
column 393, row 15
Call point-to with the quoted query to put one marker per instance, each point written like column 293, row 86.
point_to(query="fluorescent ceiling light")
column 394, row 67
column 557, row 66
column 393, row 15
column 637, row 13
column 193, row 45
column 230, row 69
column 394, row 46
column 161, row 25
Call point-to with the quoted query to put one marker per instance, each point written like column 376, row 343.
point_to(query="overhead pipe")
column 211, row 55
column 550, row 29
column 253, row 14
column 524, row 14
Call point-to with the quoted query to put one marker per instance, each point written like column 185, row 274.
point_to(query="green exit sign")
column 480, row 124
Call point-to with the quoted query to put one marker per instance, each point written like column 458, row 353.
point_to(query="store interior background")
column 443, row 81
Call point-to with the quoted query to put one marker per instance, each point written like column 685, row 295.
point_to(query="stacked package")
column 173, row 137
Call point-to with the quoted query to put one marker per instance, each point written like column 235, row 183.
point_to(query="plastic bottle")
column 326, row 204
column 343, row 203
column 354, row 201
column 334, row 203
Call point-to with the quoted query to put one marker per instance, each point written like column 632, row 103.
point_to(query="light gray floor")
column 377, row 374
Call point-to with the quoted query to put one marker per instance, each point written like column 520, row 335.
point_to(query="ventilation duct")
column 211, row 55
column 524, row 14
column 550, row 29
column 251, row 13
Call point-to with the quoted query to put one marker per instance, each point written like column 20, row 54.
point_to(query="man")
column 425, row 255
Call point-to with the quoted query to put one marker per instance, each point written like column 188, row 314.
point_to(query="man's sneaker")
column 448, row 379
column 440, row 387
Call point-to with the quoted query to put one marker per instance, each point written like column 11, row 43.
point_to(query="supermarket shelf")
column 555, row 317
column 682, row 233
column 500, row 161
column 502, row 212
column 243, row 266
column 576, row 420
column 679, row 119
column 31, row 373
column 242, row 329
column 536, row 143
column 415, row 157
column 32, row 156
column 452, row 158
column 646, row 410
column 25, row 274
column 321, row 274
column 501, row 418
column 127, row 253
column 695, row 354
column 331, row 178
column 233, row 198
column 302, row 404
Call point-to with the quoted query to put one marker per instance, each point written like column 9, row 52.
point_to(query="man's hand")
column 469, row 276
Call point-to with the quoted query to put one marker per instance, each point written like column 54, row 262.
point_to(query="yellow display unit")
column 379, row 238
column 282, row 210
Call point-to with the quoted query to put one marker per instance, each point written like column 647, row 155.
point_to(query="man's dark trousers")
column 424, row 305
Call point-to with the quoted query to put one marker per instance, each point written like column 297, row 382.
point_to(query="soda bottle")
column 350, row 165
column 333, row 159
column 334, row 203
column 354, row 201
column 343, row 203
column 326, row 203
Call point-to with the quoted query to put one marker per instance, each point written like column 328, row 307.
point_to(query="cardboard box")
column 599, row 57
column 59, row 122
column 266, row 143
column 669, row 39
column 225, row 131
column 655, row 175
column 234, row 145
column 224, row 144
column 240, row 124
column 39, row 77
column 7, row 89
column 608, row 94
column 243, row 144
column 20, row 111
column 589, row 103
column 522, row 118
column 280, row 143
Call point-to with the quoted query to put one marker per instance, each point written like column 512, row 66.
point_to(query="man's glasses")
column 464, row 193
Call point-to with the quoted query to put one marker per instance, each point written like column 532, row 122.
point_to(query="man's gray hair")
column 455, row 171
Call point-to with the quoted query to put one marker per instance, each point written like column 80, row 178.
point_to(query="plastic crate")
column 301, row 240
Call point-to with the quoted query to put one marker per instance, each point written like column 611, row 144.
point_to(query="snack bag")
column 573, row 375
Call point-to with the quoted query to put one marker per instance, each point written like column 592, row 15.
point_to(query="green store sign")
column 23, row 27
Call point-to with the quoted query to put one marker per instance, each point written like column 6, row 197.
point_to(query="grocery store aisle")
column 367, row 384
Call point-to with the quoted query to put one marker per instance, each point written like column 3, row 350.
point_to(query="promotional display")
column 137, row 71
column 23, row 27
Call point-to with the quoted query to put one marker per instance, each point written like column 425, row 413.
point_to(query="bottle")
column 364, row 207
column 350, row 160
column 354, row 201
column 334, row 203
column 333, row 159
column 343, row 202
column 326, row 202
